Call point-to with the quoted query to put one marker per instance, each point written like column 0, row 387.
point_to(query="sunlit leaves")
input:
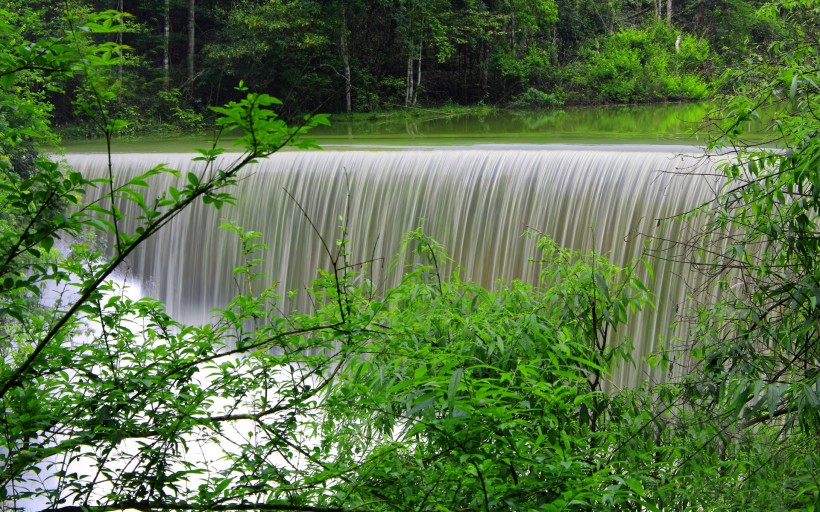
column 487, row 398
column 263, row 132
column 770, row 228
column 91, row 377
column 755, row 346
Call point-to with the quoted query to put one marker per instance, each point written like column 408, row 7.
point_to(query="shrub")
column 686, row 87
column 533, row 67
column 643, row 64
column 535, row 98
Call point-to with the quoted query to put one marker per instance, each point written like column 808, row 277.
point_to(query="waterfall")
column 476, row 202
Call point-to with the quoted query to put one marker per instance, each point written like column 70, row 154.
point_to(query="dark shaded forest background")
column 374, row 55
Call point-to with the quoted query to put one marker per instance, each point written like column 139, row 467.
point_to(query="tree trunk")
column 512, row 31
column 344, row 50
column 486, row 57
column 418, row 75
column 166, row 47
column 191, row 41
column 669, row 12
column 408, row 93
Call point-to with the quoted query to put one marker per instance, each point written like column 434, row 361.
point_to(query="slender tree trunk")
column 512, row 31
column 166, row 47
column 344, row 50
column 669, row 12
column 485, row 69
column 348, row 85
column 191, row 41
column 408, row 93
column 418, row 75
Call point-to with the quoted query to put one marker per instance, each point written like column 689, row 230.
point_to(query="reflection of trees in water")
column 660, row 120
column 663, row 119
column 541, row 119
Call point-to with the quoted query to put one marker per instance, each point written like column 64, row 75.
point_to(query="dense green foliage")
column 758, row 348
column 366, row 55
column 767, row 218
column 433, row 395
column 640, row 65
column 470, row 399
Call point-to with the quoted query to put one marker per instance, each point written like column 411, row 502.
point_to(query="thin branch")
column 153, row 506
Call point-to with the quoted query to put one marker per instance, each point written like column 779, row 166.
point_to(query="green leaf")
column 424, row 402
column 600, row 283
column 222, row 485
column 452, row 389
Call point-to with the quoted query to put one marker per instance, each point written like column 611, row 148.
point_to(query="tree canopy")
column 365, row 55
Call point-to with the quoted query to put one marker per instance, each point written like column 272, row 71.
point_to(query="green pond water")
column 678, row 124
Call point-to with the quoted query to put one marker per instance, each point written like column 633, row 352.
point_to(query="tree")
column 755, row 379
column 82, row 421
column 417, row 22
column 472, row 399
column 166, row 45
column 295, row 39
column 650, row 63
column 191, row 41
column 526, row 51
column 344, row 53
column 761, row 346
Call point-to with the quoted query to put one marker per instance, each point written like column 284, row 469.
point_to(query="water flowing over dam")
column 476, row 202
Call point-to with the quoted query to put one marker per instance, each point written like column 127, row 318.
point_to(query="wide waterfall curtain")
column 476, row 202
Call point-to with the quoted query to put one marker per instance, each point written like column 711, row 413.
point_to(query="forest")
column 373, row 55
column 436, row 394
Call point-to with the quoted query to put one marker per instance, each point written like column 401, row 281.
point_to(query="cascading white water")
column 476, row 202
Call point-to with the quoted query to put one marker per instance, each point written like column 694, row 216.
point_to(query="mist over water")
column 476, row 202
